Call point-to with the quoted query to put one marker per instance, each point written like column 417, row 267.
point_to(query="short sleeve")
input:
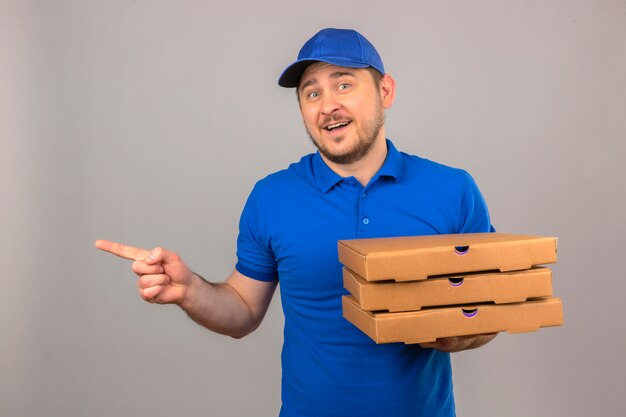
column 255, row 258
column 474, row 211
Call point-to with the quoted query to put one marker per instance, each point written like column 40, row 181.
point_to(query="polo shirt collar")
column 326, row 178
column 392, row 167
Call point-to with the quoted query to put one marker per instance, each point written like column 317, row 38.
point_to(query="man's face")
column 343, row 110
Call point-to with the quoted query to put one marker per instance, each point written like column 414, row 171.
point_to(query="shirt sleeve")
column 255, row 259
column 474, row 211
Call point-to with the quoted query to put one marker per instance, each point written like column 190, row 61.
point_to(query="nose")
column 328, row 104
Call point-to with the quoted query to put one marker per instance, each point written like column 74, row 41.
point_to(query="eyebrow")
column 336, row 74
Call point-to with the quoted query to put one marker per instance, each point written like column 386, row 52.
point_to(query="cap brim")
column 290, row 77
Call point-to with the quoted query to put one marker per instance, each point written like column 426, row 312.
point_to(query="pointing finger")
column 121, row 250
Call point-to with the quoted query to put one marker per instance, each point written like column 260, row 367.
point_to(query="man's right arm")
column 235, row 307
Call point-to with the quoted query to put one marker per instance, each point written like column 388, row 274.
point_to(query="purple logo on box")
column 461, row 250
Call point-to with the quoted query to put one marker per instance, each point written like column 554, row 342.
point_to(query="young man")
column 358, row 185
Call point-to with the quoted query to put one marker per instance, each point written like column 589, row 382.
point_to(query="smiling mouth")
column 336, row 126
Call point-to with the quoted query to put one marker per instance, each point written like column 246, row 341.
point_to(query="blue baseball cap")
column 341, row 47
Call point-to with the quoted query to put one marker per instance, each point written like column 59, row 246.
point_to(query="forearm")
column 235, row 307
column 219, row 307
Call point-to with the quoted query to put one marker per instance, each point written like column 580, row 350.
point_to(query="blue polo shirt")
column 289, row 231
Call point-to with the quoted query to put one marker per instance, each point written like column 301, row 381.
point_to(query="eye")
column 343, row 86
column 313, row 94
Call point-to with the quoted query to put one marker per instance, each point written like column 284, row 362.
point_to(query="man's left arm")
column 475, row 220
column 459, row 343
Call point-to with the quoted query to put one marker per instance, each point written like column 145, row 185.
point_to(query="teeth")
column 336, row 125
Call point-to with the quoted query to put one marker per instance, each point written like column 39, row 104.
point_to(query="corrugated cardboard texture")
column 418, row 257
column 429, row 324
column 499, row 287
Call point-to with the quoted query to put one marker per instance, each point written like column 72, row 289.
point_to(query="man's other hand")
column 163, row 276
column 459, row 343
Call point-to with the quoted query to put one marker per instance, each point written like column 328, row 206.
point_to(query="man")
column 358, row 185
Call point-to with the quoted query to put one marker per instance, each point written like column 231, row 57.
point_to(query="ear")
column 387, row 90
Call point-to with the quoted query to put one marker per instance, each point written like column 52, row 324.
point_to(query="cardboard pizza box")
column 499, row 287
column 418, row 257
column 429, row 324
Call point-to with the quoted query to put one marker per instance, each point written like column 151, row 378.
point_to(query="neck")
column 365, row 168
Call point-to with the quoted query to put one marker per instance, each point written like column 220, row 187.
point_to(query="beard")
column 360, row 149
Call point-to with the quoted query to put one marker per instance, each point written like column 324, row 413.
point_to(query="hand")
column 459, row 343
column 163, row 276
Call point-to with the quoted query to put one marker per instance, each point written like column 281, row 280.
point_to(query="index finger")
column 121, row 250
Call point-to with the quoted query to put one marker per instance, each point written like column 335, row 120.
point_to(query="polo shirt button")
column 366, row 221
column 364, row 195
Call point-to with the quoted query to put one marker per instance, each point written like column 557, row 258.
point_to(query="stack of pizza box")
column 420, row 288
